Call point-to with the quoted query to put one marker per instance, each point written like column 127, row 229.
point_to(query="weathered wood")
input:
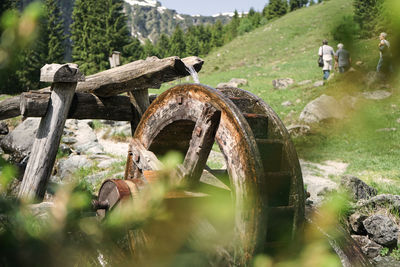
column 138, row 75
column 44, row 149
column 200, row 145
column 9, row 108
column 61, row 73
column 140, row 100
column 84, row 106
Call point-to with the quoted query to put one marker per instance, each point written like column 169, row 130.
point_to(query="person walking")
column 342, row 59
column 327, row 54
column 385, row 61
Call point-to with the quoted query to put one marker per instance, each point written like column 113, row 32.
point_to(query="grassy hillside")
column 287, row 47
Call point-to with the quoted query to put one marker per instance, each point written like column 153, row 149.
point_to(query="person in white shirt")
column 327, row 54
column 385, row 61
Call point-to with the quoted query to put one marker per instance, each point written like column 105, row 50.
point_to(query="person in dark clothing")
column 342, row 59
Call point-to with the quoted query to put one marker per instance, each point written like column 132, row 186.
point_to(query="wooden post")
column 64, row 79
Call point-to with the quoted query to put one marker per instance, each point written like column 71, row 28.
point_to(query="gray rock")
column 69, row 140
column 65, row 149
column 96, row 179
column 356, row 223
column 298, row 129
column 86, row 138
column 304, row 82
column 377, row 95
column 386, row 130
column 357, row 188
column 318, row 83
column 71, row 164
column 322, row 108
column 287, row 104
column 382, row 230
column 41, row 210
column 380, row 261
column 369, row 247
column 349, row 102
column 18, row 143
column 3, row 128
column 398, row 120
column 282, row 83
column 234, row 82
column 106, row 163
column 381, row 201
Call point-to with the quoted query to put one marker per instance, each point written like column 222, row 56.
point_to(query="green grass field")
column 287, row 48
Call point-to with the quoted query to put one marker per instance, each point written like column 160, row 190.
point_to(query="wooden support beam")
column 84, row 106
column 64, row 79
column 200, row 145
column 9, row 108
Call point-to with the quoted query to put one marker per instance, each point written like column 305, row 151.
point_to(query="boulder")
column 356, row 223
column 18, row 143
column 380, row 261
column 282, row 83
column 369, row 247
column 304, row 82
column 381, row 201
column 322, row 108
column 68, row 166
column 319, row 83
column 357, row 188
column 382, row 230
column 349, row 102
column 377, row 95
column 234, row 82
column 84, row 139
column 41, row 210
column 106, row 163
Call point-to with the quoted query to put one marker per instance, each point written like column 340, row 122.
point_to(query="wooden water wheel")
column 262, row 175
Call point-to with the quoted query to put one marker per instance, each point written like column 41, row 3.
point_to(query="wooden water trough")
column 262, row 177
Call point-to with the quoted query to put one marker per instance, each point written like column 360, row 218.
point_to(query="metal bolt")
column 180, row 100
column 198, row 131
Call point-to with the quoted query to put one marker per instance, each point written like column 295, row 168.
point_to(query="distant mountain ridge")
column 149, row 19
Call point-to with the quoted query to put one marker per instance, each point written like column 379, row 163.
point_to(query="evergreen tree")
column 366, row 13
column 55, row 32
column 163, row 46
column 312, row 2
column 217, row 38
column 178, row 46
column 98, row 28
column 132, row 51
column 296, row 4
column 275, row 9
column 192, row 41
column 232, row 27
column 148, row 49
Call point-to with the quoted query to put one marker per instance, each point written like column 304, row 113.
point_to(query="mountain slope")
column 287, row 48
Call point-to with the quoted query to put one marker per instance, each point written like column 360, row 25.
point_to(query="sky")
column 212, row 7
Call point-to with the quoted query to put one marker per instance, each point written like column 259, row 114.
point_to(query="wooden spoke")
column 200, row 145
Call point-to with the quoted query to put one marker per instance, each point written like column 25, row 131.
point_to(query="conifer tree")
column 178, row 46
column 192, row 41
column 232, row 27
column 132, row 51
column 275, row 9
column 148, row 49
column 55, row 32
column 296, row 4
column 217, row 35
column 163, row 46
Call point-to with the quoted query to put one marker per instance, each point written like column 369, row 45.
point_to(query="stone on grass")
column 369, row 247
column 41, row 210
column 287, row 104
column 18, row 143
column 234, row 82
column 359, row 63
column 322, row 108
column 381, row 201
column 298, row 129
column 70, row 165
column 398, row 120
column 349, row 102
column 319, row 83
column 304, row 82
column 386, row 130
column 356, row 223
column 357, row 188
column 377, row 95
column 382, row 230
column 106, row 163
column 282, row 83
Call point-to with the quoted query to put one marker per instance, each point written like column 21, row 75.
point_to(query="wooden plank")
column 84, row 106
column 138, row 75
column 45, row 146
column 200, row 145
column 9, row 108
